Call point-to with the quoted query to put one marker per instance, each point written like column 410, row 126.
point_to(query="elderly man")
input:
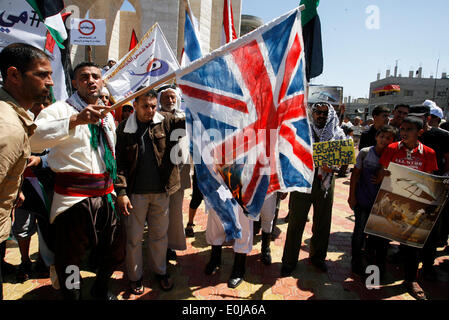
column 26, row 73
column 169, row 100
column 324, row 127
column 111, row 62
column 146, row 179
column 357, row 130
column 82, row 142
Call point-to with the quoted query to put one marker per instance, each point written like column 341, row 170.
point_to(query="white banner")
column 19, row 23
column 148, row 62
column 88, row 32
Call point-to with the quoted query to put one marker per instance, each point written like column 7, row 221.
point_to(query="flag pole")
column 195, row 64
column 230, row 46
column 140, row 92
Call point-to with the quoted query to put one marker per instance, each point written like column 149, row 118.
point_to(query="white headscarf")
column 178, row 97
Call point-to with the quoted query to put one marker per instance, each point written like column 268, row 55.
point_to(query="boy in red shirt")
column 411, row 153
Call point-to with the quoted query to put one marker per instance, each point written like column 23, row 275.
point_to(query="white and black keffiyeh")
column 331, row 131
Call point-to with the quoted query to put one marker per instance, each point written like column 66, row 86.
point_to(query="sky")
column 412, row 32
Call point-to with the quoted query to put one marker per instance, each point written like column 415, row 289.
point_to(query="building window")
column 408, row 93
column 441, row 93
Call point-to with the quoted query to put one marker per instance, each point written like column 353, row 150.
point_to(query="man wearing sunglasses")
column 324, row 127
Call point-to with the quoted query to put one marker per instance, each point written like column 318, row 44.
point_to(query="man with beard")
column 82, row 143
column 147, row 178
column 324, row 127
column 26, row 73
column 169, row 100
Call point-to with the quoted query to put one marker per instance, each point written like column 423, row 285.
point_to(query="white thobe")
column 70, row 150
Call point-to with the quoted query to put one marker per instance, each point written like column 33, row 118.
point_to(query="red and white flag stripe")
column 229, row 33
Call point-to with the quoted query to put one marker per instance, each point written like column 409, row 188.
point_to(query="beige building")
column 170, row 14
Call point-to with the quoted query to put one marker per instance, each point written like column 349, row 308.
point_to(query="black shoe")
column 429, row 274
column 41, row 269
column 256, row 227
column 165, row 282
column 234, row 281
column 23, row 272
column 320, row 265
column 8, row 269
column 214, row 263
column 171, row 254
column 286, row 271
column 275, row 233
column 238, row 270
column 72, row 295
column 357, row 267
column 99, row 291
column 108, row 296
column 266, row 253
column 189, row 230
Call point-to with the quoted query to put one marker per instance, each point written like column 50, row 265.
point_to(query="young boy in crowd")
column 362, row 194
column 411, row 153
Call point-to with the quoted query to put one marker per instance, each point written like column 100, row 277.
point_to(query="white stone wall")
column 165, row 12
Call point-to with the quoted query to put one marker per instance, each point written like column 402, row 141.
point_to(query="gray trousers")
column 299, row 206
column 153, row 208
column 176, row 233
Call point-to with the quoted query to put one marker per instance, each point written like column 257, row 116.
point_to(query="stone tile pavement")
column 261, row 282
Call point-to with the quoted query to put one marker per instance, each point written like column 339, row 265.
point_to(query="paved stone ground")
column 261, row 282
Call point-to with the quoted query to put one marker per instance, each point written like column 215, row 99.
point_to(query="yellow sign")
column 334, row 153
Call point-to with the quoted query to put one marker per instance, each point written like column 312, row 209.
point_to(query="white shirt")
column 70, row 150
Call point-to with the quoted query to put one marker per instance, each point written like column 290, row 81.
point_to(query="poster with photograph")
column 407, row 206
column 331, row 94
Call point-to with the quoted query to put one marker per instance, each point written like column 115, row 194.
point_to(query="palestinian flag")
column 311, row 33
column 49, row 12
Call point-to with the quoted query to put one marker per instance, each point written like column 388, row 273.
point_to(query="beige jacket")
column 16, row 127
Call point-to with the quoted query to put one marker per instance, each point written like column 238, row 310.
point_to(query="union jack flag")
column 247, row 120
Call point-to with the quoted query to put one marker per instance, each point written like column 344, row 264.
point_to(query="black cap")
column 419, row 110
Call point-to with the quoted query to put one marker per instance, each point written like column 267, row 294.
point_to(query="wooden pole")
column 89, row 53
column 197, row 63
column 140, row 92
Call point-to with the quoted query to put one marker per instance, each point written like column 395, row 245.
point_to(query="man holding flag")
column 248, row 125
column 82, row 155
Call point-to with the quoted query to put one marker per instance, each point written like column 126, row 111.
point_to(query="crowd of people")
column 89, row 181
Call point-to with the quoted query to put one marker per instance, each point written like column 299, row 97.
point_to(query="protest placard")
column 407, row 206
column 88, row 32
column 334, row 153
